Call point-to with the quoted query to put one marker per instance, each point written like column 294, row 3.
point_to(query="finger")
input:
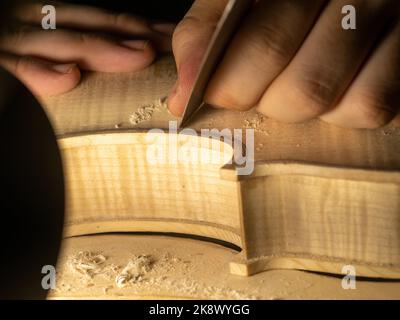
column 189, row 43
column 267, row 41
column 327, row 62
column 373, row 100
column 163, row 38
column 90, row 51
column 43, row 78
column 164, row 28
column 396, row 121
column 88, row 18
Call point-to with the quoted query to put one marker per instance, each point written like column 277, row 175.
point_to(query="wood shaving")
column 87, row 263
column 194, row 267
column 161, row 103
column 141, row 274
column 145, row 113
column 142, row 114
column 134, row 271
column 140, row 266
column 90, row 264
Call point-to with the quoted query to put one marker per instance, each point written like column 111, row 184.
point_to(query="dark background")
column 172, row 10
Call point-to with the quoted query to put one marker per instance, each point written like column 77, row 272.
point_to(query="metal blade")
column 227, row 25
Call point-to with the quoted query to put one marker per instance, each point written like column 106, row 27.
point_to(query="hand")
column 293, row 61
column 86, row 38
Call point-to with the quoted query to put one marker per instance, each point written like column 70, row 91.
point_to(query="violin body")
column 319, row 198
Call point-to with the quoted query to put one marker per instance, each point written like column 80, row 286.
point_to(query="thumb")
column 189, row 44
column 41, row 77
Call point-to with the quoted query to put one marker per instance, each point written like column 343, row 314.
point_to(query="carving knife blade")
column 229, row 21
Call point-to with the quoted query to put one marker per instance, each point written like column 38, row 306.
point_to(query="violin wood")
column 320, row 197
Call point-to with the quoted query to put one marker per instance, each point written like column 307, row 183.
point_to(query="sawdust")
column 142, row 114
column 136, row 275
column 161, row 104
column 185, row 268
column 187, row 287
column 390, row 131
column 88, row 265
column 134, row 271
column 259, row 146
column 387, row 132
column 145, row 113
column 142, row 272
column 192, row 287
column 255, row 123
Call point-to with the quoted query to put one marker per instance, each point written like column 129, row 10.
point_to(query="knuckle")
column 269, row 42
column 318, row 93
column 83, row 38
column 188, row 29
column 376, row 110
column 88, row 38
column 227, row 99
column 16, row 36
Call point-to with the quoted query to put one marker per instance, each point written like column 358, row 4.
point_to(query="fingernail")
column 135, row 44
column 165, row 28
column 64, row 68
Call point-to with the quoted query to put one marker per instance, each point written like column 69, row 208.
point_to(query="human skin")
column 49, row 62
column 293, row 61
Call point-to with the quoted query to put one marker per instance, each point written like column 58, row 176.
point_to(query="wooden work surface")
column 193, row 269
column 321, row 196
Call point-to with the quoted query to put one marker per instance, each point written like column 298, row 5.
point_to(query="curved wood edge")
column 292, row 209
column 242, row 267
column 190, row 228
column 275, row 193
column 107, row 173
column 276, row 168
